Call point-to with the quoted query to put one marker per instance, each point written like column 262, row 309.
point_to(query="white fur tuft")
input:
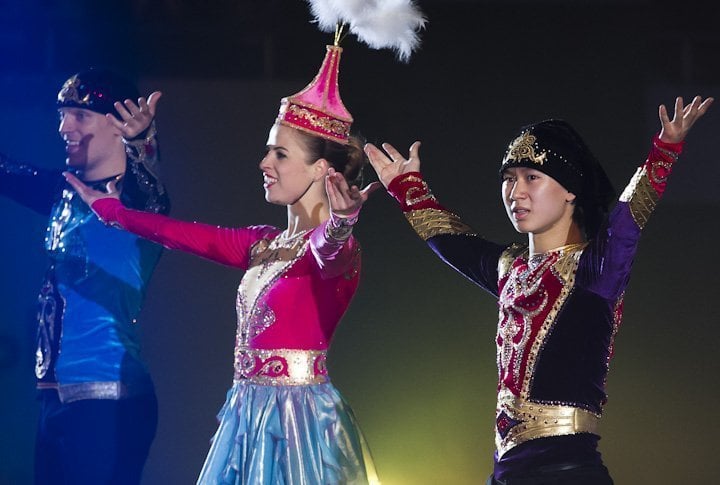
column 392, row 24
column 325, row 13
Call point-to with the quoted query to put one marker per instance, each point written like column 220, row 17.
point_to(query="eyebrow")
column 73, row 109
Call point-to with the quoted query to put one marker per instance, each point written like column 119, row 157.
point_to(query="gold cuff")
column 641, row 197
column 432, row 222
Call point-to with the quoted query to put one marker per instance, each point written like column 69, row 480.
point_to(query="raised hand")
column 684, row 117
column 90, row 195
column 346, row 201
column 390, row 164
column 136, row 118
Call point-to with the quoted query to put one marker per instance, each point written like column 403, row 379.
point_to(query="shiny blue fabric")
column 88, row 342
column 100, row 273
column 299, row 435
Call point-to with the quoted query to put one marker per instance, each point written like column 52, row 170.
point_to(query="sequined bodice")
column 531, row 295
column 269, row 259
column 284, row 304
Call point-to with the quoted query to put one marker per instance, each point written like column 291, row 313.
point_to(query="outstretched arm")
column 229, row 246
column 450, row 238
column 612, row 252
column 30, row 186
column 650, row 180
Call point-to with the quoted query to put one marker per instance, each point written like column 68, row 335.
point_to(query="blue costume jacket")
column 88, row 345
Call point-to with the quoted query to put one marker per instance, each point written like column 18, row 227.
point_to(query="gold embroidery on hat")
column 69, row 92
column 522, row 149
column 332, row 126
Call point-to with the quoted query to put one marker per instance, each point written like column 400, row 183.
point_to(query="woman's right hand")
column 90, row 195
column 346, row 201
column 391, row 164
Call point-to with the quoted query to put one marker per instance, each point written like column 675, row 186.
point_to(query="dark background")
column 415, row 353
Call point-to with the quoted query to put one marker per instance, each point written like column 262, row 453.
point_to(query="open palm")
column 88, row 194
column 675, row 130
column 390, row 164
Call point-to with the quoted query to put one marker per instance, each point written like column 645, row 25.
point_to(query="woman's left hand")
column 88, row 194
column 676, row 130
column 346, row 201
column 136, row 118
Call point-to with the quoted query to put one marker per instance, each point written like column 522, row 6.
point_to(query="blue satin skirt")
column 287, row 435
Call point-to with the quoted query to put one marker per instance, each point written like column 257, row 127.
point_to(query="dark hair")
column 348, row 160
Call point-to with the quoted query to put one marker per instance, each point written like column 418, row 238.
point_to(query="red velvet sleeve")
column 413, row 193
column 229, row 246
column 659, row 162
column 648, row 184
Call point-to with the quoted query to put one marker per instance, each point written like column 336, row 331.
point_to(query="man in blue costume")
column 98, row 411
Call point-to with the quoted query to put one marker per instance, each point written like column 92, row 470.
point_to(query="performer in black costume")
column 560, row 295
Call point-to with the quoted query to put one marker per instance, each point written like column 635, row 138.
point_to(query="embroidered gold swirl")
column 522, row 148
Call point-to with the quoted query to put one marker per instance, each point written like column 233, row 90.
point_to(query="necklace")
column 283, row 236
column 283, row 250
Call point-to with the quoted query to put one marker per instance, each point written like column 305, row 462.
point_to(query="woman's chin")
column 273, row 200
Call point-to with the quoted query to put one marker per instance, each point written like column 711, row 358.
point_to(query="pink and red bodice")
column 290, row 299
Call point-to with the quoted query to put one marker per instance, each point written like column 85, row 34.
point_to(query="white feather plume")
column 380, row 24
column 326, row 15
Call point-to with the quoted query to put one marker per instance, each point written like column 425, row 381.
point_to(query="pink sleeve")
column 333, row 256
column 230, row 246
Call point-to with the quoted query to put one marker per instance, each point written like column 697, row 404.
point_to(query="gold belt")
column 281, row 367
column 519, row 421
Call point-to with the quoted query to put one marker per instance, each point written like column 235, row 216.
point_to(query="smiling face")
column 287, row 174
column 536, row 203
column 92, row 144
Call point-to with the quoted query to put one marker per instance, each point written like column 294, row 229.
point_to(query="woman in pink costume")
column 283, row 421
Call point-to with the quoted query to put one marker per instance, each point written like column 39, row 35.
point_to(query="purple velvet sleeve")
column 472, row 256
column 605, row 265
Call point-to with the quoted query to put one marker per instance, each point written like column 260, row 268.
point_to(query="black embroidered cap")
column 96, row 90
column 555, row 148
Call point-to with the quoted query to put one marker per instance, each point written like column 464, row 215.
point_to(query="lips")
column 268, row 181
column 72, row 146
column 520, row 213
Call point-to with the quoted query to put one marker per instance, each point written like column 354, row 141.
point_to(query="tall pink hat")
column 318, row 109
